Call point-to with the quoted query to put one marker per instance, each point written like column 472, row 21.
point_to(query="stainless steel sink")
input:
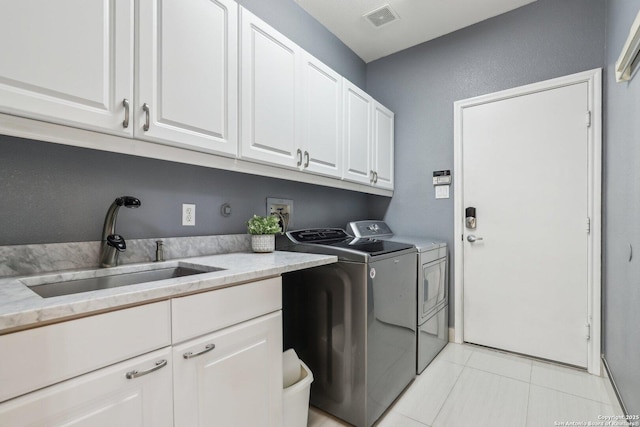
column 67, row 287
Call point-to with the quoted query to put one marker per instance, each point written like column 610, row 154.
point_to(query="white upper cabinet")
column 382, row 150
column 270, row 94
column 68, row 62
column 187, row 76
column 368, row 139
column 357, row 134
column 322, row 118
column 204, row 78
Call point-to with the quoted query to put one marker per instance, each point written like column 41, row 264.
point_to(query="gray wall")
column 621, row 212
column 56, row 193
column 543, row 40
column 53, row 193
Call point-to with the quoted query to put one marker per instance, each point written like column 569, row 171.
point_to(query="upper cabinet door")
column 187, row 74
column 357, row 134
column 270, row 94
column 383, row 128
column 322, row 118
column 68, row 62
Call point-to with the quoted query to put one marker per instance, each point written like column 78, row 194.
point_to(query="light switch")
column 442, row 191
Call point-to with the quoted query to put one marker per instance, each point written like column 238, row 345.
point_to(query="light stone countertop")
column 21, row 308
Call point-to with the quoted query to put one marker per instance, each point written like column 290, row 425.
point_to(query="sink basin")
column 114, row 280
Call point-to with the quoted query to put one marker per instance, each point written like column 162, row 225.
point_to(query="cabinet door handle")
column 299, row 154
column 375, row 177
column 125, row 104
column 135, row 374
column 371, row 176
column 207, row 348
column 306, row 159
column 145, row 108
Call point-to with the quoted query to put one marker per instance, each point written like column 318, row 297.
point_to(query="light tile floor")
column 473, row 386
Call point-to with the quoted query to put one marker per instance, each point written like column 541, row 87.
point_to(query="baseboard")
column 452, row 334
column 612, row 389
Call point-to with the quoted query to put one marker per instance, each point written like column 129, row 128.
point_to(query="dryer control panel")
column 369, row 229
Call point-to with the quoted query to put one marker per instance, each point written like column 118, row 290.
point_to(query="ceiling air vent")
column 381, row 16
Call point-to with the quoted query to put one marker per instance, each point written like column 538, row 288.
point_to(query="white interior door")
column 525, row 170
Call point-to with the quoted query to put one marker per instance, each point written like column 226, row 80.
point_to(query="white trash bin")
column 295, row 399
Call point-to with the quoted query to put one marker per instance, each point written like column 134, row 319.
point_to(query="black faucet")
column 112, row 243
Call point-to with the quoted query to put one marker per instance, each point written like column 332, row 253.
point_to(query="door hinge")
column 588, row 327
column 588, row 119
column 588, row 225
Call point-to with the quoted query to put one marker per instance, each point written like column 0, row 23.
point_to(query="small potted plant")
column 263, row 230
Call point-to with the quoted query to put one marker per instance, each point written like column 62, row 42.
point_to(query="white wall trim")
column 594, row 80
column 43, row 131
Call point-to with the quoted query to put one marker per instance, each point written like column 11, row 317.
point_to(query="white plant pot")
column 263, row 242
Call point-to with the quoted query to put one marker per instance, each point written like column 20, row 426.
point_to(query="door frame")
column 593, row 78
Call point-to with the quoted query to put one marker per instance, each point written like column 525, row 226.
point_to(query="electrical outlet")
column 188, row 214
column 283, row 208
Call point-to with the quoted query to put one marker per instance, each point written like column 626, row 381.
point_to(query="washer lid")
column 340, row 241
column 373, row 247
column 318, row 235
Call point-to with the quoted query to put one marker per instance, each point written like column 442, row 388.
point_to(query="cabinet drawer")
column 199, row 314
column 106, row 397
column 40, row 357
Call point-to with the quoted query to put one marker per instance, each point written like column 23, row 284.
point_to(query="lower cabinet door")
column 134, row 393
column 232, row 377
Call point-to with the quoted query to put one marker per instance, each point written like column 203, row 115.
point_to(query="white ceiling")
column 419, row 21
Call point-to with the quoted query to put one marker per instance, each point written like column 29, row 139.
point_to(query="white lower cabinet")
column 134, row 393
column 232, row 377
column 119, row 368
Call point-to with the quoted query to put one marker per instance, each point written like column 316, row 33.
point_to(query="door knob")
column 471, row 238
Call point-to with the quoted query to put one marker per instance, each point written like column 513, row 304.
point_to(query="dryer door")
column 432, row 289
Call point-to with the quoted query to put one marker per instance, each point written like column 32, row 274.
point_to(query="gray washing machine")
column 432, row 288
column 352, row 322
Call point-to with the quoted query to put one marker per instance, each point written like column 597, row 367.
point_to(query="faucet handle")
column 159, row 251
column 116, row 241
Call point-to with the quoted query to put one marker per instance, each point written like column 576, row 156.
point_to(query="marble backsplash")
column 21, row 260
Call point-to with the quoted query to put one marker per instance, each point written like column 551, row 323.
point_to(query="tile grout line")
column 571, row 394
column 412, row 419
column 526, row 420
column 498, row 375
column 533, row 361
column 448, row 395
column 526, row 412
